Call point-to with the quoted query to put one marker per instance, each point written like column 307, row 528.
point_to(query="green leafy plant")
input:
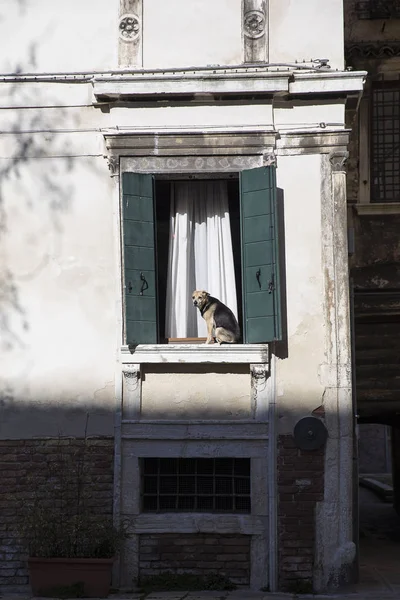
column 60, row 520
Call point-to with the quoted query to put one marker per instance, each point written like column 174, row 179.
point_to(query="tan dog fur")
column 222, row 326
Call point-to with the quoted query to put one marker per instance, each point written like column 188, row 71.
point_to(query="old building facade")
column 113, row 112
column 371, row 43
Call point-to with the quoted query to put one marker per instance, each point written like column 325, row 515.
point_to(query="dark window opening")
column 196, row 484
column 163, row 202
column 385, row 142
column 378, row 9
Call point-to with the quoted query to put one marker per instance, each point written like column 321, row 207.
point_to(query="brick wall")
column 300, row 487
column 22, row 464
column 198, row 553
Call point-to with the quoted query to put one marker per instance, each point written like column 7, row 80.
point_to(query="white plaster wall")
column 58, row 261
column 288, row 115
column 190, row 395
column 300, row 30
column 58, row 304
column 299, row 390
column 179, row 33
column 42, row 35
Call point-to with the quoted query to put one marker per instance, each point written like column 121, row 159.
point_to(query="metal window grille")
column 385, row 142
column 378, row 9
column 196, row 485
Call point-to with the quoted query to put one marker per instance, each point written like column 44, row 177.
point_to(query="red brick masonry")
column 19, row 460
column 197, row 553
column 300, row 487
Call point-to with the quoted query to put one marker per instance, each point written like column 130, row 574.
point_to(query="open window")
column 151, row 210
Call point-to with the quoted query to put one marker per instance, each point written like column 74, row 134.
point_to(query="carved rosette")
column 129, row 27
column 254, row 24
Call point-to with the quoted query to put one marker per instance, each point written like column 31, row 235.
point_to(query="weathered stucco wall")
column 175, row 33
column 290, row 19
column 299, row 390
column 196, row 392
column 200, row 32
column 48, row 36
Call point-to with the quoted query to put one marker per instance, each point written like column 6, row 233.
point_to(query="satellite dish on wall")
column 310, row 433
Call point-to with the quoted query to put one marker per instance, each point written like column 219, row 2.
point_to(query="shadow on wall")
column 37, row 167
column 25, row 181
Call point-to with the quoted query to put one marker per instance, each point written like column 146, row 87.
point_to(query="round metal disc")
column 310, row 433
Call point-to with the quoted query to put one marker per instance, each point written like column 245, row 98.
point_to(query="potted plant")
column 71, row 545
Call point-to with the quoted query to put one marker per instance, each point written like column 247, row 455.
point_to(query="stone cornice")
column 243, row 81
column 312, row 142
column 190, row 143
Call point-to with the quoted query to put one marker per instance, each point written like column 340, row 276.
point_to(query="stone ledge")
column 377, row 208
column 195, row 353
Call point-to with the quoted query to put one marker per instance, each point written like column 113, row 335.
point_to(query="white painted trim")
column 195, row 353
column 378, row 208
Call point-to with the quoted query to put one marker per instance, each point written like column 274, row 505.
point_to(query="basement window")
column 195, row 485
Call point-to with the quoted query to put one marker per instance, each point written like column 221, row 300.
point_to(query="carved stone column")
column 130, row 33
column 259, row 394
column 255, row 31
column 335, row 548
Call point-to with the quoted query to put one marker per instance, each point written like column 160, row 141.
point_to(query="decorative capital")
column 131, row 373
column 129, row 27
column 254, row 24
column 113, row 164
column 258, row 373
column 269, row 158
column 338, row 161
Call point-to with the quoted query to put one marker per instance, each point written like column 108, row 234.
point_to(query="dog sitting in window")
column 222, row 325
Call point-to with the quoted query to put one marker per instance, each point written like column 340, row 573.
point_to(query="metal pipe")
column 86, row 76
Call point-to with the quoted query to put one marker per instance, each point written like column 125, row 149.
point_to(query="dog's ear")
column 205, row 294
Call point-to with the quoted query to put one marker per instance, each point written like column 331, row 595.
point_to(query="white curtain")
column 200, row 254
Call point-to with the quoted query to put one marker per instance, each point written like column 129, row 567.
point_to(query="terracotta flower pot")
column 93, row 574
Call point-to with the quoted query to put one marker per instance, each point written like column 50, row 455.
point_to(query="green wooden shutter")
column 260, row 273
column 139, row 259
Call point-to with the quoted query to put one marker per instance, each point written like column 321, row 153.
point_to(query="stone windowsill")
column 195, row 353
column 378, row 208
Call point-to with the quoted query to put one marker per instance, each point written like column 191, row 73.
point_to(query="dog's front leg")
column 210, row 328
